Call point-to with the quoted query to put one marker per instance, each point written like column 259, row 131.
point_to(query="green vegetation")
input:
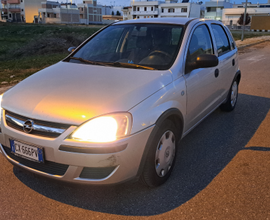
column 248, row 34
column 28, row 48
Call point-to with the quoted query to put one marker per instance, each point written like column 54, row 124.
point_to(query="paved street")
column 222, row 170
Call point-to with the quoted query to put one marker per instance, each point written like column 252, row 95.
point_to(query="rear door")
column 227, row 56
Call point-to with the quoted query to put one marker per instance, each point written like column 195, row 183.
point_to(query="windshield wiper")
column 118, row 64
column 88, row 61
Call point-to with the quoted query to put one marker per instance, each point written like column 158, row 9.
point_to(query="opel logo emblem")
column 28, row 126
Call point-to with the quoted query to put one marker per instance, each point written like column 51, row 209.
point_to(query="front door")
column 201, row 84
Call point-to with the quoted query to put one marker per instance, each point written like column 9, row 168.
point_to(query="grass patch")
column 248, row 34
column 12, row 71
column 28, row 48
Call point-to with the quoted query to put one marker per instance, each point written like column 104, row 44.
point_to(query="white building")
column 20, row 10
column 172, row 9
column 158, row 9
column 90, row 12
column 54, row 12
column 214, row 8
column 106, row 10
column 231, row 15
column 127, row 13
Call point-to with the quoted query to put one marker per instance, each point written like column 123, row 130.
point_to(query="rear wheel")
column 229, row 105
column 161, row 156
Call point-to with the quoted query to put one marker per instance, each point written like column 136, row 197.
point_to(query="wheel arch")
column 176, row 117
column 237, row 76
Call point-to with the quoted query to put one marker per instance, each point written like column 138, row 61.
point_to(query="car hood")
column 73, row 93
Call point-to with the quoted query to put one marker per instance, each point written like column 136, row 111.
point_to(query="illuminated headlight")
column 105, row 128
column 1, row 110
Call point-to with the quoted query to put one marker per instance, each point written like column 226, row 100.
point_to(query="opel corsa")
column 115, row 109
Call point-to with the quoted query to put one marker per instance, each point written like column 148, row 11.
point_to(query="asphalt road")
column 222, row 170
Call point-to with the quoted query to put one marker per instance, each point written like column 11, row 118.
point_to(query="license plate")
column 27, row 151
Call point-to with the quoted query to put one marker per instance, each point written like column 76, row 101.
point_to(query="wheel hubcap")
column 165, row 153
column 234, row 93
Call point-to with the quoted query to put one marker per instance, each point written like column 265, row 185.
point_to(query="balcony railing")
column 13, row 1
column 4, row 10
column 144, row 13
column 14, row 10
column 172, row 14
column 3, row 2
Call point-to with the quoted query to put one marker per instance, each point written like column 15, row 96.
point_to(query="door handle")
column 216, row 73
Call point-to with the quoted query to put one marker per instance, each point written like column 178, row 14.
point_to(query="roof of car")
column 173, row 20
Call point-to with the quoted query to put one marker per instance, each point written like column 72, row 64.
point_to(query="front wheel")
column 161, row 156
column 229, row 105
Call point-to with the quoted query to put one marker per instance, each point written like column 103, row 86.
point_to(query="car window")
column 200, row 43
column 221, row 39
column 151, row 45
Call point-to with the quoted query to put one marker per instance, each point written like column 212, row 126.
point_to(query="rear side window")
column 222, row 42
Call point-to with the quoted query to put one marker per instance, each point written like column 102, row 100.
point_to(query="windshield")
column 132, row 46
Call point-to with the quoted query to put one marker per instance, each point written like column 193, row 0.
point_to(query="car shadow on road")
column 202, row 155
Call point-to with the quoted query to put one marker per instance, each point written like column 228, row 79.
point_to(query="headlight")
column 1, row 107
column 105, row 128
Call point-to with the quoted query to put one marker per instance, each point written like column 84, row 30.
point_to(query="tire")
column 231, row 101
column 161, row 155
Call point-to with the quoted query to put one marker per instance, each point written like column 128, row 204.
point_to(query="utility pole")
column 244, row 22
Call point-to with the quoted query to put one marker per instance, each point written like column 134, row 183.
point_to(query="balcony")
column 14, row 10
column 174, row 14
column 146, row 13
column 13, row 1
column 4, row 10
column 4, row 2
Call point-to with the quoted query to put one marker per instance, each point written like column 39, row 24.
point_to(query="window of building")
column 138, row 9
column 211, row 9
column 21, row 0
column 145, row 9
column 152, row 8
column 171, row 10
column 162, row 10
column 222, row 42
column 22, row 9
column 183, row 9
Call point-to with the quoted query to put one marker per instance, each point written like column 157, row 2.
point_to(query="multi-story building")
column 20, row 10
column 231, row 15
column 145, row 9
column 214, row 8
column 90, row 12
column 127, row 13
column 54, row 12
column 174, row 9
column 169, row 8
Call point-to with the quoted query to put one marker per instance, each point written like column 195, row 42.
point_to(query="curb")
column 248, row 45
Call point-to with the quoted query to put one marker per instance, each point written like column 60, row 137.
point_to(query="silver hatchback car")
column 115, row 109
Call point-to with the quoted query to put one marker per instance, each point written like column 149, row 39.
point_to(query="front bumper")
column 79, row 162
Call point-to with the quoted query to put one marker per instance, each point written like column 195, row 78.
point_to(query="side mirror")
column 203, row 61
column 71, row 49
